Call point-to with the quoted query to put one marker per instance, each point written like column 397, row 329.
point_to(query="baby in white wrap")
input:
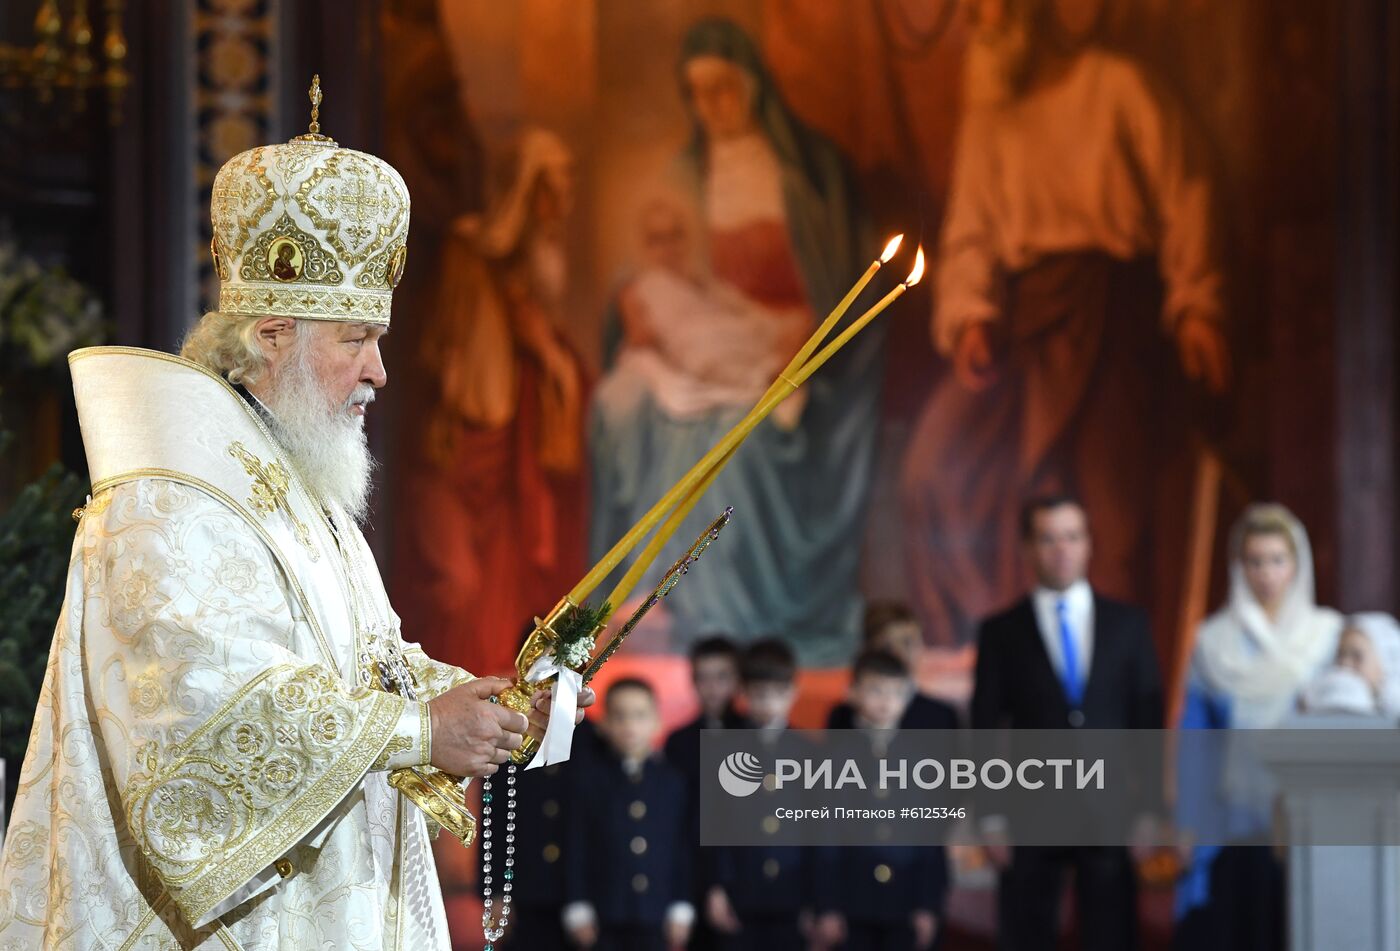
column 1364, row 677
column 698, row 345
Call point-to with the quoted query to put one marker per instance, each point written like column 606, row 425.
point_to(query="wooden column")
column 1369, row 113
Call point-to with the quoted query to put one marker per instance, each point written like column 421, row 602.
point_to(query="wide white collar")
column 150, row 415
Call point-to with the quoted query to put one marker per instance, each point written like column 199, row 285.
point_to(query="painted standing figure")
column 783, row 236
column 498, row 493
column 1079, row 222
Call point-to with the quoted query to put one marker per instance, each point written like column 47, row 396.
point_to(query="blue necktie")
column 1074, row 687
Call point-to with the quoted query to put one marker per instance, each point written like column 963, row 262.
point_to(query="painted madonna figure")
column 783, row 239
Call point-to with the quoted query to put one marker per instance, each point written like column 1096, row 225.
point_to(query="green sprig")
column 582, row 621
column 578, row 627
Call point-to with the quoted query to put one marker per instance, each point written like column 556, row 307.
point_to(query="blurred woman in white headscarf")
column 1252, row 660
column 1255, row 654
column 1364, row 677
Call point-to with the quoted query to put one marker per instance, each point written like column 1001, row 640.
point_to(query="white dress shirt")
column 1079, row 599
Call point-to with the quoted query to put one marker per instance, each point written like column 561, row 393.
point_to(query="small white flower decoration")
column 577, row 653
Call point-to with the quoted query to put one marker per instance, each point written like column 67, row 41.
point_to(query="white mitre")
column 309, row 229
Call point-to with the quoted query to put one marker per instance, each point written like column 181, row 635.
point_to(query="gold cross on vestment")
column 268, row 493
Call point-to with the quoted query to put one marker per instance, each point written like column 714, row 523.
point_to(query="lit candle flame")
column 917, row 274
column 891, row 248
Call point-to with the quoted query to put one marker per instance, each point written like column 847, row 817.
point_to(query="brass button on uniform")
column 551, row 853
column 284, row 867
column 551, row 808
column 638, row 845
column 771, row 869
column 639, row 883
column 883, row 873
column 637, row 810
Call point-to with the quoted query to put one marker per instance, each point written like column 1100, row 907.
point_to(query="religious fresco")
column 489, row 526
column 731, row 167
column 780, row 229
column 494, row 530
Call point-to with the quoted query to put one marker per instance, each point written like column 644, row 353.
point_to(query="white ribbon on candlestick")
column 559, row 734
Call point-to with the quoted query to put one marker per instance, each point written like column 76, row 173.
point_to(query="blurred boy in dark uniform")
column 627, row 844
column 891, row 626
column 761, row 894
column 881, row 897
column 714, row 670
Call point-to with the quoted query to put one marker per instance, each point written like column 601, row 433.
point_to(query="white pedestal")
column 1340, row 896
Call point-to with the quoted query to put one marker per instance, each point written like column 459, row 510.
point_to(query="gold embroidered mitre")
column 309, row 229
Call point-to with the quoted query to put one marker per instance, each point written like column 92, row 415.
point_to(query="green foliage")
column 577, row 629
column 36, row 536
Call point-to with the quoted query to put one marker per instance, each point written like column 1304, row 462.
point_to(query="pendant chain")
column 380, row 661
column 493, row 926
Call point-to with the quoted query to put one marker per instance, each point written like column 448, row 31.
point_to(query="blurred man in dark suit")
column 1064, row 657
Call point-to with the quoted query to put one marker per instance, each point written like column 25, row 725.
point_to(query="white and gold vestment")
column 206, row 767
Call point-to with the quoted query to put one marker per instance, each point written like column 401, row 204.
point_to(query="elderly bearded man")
column 210, row 758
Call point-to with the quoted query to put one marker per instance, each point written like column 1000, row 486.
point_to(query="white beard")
column 327, row 443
